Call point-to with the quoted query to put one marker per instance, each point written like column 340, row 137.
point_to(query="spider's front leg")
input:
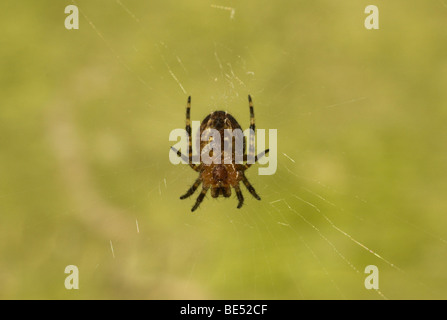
column 195, row 167
column 249, row 187
column 259, row 156
column 200, row 198
column 192, row 189
column 239, row 195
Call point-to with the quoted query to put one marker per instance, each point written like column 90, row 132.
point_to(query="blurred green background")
column 85, row 177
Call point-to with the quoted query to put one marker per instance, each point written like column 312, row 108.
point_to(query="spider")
column 220, row 178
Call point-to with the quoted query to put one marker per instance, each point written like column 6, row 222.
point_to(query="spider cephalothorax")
column 220, row 177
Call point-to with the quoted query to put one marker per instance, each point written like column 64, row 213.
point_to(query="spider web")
column 304, row 239
column 302, row 223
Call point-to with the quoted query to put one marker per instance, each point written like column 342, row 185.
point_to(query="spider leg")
column 195, row 167
column 184, row 158
column 240, row 197
column 188, row 126
column 252, row 113
column 192, row 189
column 250, row 187
column 251, row 144
column 260, row 155
column 200, row 198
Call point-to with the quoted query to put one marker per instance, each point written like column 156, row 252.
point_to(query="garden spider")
column 220, row 178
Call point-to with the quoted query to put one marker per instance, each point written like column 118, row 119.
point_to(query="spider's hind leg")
column 251, row 145
column 188, row 131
